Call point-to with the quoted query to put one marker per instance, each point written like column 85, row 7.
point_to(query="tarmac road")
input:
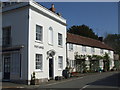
column 95, row 81
column 108, row 80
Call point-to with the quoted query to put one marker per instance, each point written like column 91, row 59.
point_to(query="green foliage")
column 82, row 57
column 83, row 30
column 94, row 65
column 106, row 61
column 113, row 40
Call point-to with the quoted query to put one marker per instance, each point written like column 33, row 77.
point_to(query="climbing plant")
column 106, row 61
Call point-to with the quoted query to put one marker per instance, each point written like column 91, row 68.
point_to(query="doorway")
column 7, row 67
column 51, row 71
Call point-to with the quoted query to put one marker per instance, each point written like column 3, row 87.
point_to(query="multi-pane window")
column 101, row 51
column 84, row 48
column 72, row 63
column 70, row 46
column 60, row 62
column 39, row 61
column 6, row 40
column 59, row 39
column 39, row 33
column 50, row 35
column 92, row 49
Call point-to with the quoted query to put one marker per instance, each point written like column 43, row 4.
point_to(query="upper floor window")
column 101, row 51
column 38, row 61
column 50, row 36
column 70, row 46
column 92, row 49
column 59, row 39
column 60, row 62
column 84, row 48
column 109, row 52
column 6, row 36
column 39, row 33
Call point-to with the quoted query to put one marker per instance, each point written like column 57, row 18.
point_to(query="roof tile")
column 76, row 39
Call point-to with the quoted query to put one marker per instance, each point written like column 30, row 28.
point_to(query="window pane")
column 50, row 36
column 60, row 62
column 38, row 33
column 59, row 39
column 39, row 61
column 70, row 46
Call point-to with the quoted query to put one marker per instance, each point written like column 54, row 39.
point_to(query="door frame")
column 6, row 56
column 52, row 68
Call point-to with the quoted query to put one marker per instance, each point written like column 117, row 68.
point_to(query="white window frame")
column 60, row 63
column 72, row 63
column 50, row 31
column 84, row 49
column 39, row 62
column 70, row 46
column 109, row 52
column 101, row 51
column 92, row 49
column 39, row 36
column 60, row 39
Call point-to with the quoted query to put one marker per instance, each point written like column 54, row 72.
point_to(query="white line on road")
column 84, row 87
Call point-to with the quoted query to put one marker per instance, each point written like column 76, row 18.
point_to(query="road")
column 104, row 81
column 108, row 80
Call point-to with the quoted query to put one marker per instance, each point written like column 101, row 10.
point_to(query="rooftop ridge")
column 84, row 37
column 95, row 43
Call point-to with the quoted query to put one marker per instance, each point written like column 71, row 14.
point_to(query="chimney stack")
column 52, row 8
column 101, row 39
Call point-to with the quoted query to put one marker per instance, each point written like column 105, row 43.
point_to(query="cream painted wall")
column 78, row 48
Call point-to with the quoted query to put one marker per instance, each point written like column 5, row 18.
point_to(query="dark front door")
column 51, row 68
column 7, row 67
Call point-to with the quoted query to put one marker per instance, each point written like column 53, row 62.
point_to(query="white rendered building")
column 79, row 45
column 34, row 40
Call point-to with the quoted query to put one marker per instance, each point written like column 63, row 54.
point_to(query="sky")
column 102, row 17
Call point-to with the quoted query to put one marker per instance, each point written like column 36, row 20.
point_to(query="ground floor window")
column 39, row 60
column 72, row 63
column 60, row 62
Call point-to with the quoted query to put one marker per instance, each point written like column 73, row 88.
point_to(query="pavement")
column 81, row 82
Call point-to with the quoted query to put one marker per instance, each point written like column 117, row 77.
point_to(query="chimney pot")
column 101, row 39
column 52, row 8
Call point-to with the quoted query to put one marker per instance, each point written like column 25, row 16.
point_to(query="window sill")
column 60, row 46
column 37, row 41
column 71, row 50
column 38, row 70
column 50, row 44
column 60, row 69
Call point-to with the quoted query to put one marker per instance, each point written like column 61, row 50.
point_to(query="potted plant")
column 33, row 79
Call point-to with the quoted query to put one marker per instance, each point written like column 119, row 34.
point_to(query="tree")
column 113, row 40
column 83, row 30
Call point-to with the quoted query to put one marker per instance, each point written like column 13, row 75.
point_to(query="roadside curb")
column 54, row 81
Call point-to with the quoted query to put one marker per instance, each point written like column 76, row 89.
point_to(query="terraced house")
column 34, row 41
column 88, row 54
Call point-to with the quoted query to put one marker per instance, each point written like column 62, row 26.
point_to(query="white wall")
column 78, row 48
column 46, row 22
column 23, row 31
